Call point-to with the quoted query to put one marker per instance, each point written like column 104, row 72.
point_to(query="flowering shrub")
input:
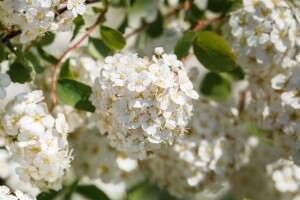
column 167, row 99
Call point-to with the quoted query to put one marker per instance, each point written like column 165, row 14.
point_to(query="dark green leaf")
column 66, row 71
column 19, row 73
column 34, row 63
column 156, row 28
column 184, row 44
column 46, row 56
column 104, row 3
column 214, row 52
column 132, row 2
column 2, row 52
column 216, row 86
column 124, row 25
column 70, row 190
column 219, row 5
column 97, row 9
column 237, row 74
column 91, row 192
column 112, row 38
column 51, row 195
column 78, row 22
column 47, row 39
column 75, row 93
column 97, row 48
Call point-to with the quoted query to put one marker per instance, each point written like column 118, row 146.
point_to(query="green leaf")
column 237, row 74
column 75, row 94
column 66, row 71
column 112, row 38
column 216, row 86
column 91, row 192
column 47, row 39
column 70, row 190
column 184, row 44
column 19, row 73
column 46, row 56
column 124, row 25
column 156, row 28
column 104, row 3
column 78, row 22
column 214, row 52
column 219, row 5
column 2, row 52
column 97, row 48
column 51, row 195
column 34, row 63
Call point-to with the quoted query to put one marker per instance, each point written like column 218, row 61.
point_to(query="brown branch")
column 145, row 25
column 203, row 23
column 89, row 31
column 242, row 99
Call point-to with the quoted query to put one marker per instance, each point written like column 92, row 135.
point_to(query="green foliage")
column 34, row 62
column 66, row 71
column 97, row 48
column 46, row 56
column 50, row 195
column 91, row 192
column 184, row 44
column 219, row 5
column 214, row 52
column 112, row 38
column 237, row 74
column 216, row 86
column 156, row 28
column 123, row 26
column 78, row 22
column 47, row 39
column 19, row 73
column 74, row 93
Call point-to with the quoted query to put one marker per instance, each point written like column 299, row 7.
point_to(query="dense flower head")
column 5, row 194
column 264, row 33
column 274, row 107
column 147, row 102
column 278, row 180
column 35, row 17
column 37, row 141
column 95, row 158
column 213, row 148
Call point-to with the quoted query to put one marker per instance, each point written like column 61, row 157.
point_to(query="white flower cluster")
column 264, row 33
column 279, row 180
column 5, row 194
column 210, row 152
column 265, row 37
column 37, row 141
column 146, row 102
column 4, row 83
column 94, row 158
column 35, row 17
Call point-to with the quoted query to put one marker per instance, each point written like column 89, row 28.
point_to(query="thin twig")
column 203, row 23
column 145, row 25
column 89, row 31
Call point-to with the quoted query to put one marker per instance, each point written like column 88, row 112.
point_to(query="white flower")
column 61, row 124
column 5, row 194
column 76, row 6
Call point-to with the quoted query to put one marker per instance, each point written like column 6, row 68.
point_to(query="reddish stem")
column 89, row 31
